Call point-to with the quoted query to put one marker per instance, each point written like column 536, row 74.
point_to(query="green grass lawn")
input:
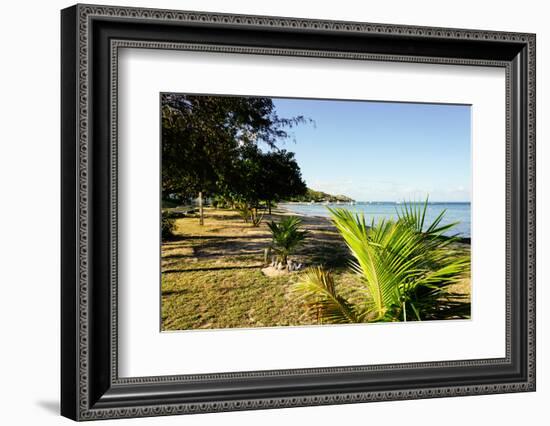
column 211, row 274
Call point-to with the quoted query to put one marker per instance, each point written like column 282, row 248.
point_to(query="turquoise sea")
column 455, row 212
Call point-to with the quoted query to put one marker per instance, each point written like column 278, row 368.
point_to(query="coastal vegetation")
column 233, row 256
column 319, row 197
column 406, row 268
column 212, row 276
column 225, row 148
column 287, row 237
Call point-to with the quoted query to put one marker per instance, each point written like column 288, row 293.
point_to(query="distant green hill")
column 320, row 196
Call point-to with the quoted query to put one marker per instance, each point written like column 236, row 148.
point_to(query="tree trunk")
column 201, row 210
column 269, row 207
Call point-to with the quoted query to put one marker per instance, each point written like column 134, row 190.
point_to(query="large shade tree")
column 203, row 138
column 282, row 178
column 263, row 176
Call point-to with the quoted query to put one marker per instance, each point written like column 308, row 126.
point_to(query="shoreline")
column 287, row 212
column 316, row 203
column 319, row 222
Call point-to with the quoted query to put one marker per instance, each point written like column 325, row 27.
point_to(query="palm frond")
column 406, row 269
column 316, row 286
column 385, row 256
column 400, row 260
column 287, row 236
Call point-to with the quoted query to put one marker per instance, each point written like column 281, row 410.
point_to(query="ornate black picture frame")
column 91, row 36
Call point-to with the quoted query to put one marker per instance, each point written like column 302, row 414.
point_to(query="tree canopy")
column 264, row 176
column 227, row 145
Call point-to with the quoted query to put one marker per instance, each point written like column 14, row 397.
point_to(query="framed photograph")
column 263, row 212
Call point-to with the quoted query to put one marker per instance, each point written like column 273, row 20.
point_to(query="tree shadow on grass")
column 187, row 238
column 323, row 246
column 229, row 216
column 214, row 268
column 178, row 256
column 231, row 247
column 171, row 292
column 329, row 255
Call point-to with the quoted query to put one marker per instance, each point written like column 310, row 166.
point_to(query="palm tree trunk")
column 201, row 210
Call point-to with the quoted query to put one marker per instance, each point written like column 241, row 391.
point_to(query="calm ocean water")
column 455, row 212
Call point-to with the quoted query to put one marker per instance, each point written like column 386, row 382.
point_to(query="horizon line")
column 395, row 202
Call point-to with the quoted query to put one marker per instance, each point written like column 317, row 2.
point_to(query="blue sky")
column 382, row 151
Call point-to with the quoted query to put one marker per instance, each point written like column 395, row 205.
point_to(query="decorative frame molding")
column 91, row 37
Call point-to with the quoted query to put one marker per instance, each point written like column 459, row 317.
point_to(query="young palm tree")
column 287, row 236
column 406, row 269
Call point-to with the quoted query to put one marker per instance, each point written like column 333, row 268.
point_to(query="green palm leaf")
column 403, row 264
column 317, row 287
column 286, row 236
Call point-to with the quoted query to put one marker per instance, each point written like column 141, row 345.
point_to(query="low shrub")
column 168, row 226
